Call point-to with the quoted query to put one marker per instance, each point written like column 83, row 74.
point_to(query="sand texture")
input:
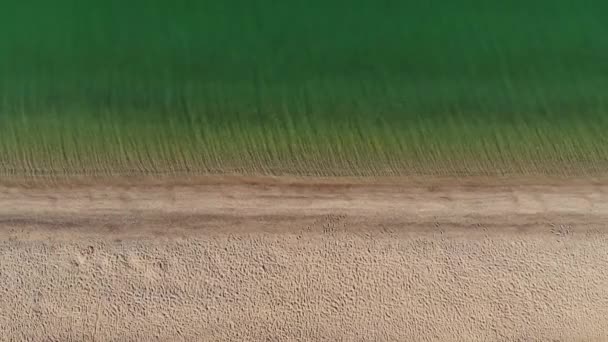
column 445, row 260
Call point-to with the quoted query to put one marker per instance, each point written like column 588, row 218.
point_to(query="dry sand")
column 255, row 259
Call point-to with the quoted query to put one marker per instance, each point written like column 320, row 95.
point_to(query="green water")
column 307, row 87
